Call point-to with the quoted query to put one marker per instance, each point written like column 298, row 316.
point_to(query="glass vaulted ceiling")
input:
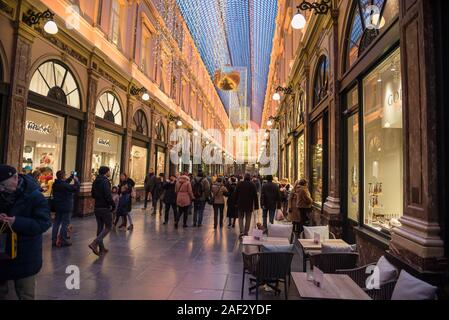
column 237, row 33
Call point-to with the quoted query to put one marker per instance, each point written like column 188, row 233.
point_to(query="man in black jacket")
column 247, row 202
column 170, row 198
column 63, row 192
column 26, row 210
column 104, row 205
column 270, row 200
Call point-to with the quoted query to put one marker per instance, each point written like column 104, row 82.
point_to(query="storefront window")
column 42, row 151
column 301, row 156
column 138, row 166
column 107, row 152
column 383, row 156
column 108, row 108
column 70, row 153
column 160, row 161
column 301, row 109
column 353, row 161
column 317, row 162
column 321, row 83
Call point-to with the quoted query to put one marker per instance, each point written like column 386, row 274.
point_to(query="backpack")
column 198, row 190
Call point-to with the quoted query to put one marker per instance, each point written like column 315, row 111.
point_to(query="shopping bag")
column 279, row 215
column 8, row 242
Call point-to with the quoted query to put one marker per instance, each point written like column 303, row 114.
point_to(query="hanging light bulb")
column 179, row 123
column 50, row 27
column 145, row 97
column 269, row 123
column 195, row 133
column 276, row 96
column 298, row 21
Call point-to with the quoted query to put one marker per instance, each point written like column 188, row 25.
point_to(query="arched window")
column 368, row 18
column 54, row 80
column 160, row 132
column 140, row 123
column 108, row 108
column 301, row 109
column 321, row 82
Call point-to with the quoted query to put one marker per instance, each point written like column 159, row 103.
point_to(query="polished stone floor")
column 154, row 261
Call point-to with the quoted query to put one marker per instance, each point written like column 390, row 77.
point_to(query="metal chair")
column 267, row 268
column 331, row 262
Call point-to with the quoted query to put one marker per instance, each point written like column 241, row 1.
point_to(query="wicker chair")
column 331, row 262
column 360, row 276
column 267, row 268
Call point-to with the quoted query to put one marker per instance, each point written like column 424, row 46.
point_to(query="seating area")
column 337, row 260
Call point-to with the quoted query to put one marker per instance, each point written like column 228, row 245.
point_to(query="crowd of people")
column 233, row 198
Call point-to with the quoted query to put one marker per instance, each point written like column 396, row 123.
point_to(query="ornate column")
column 18, row 98
column 86, row 204
column 332, row 213
column 127, row 143
column 418, row 241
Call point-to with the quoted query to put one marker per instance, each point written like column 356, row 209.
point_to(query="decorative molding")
column 7, row 9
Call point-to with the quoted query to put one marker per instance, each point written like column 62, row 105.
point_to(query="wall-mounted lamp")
column 176, row 119
column 32, row 18
column 322, row 7
column 286, row 90
column 272, row 120
column 140, row 91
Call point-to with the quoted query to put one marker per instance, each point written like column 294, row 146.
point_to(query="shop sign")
column 38, row 127
column 104, row 142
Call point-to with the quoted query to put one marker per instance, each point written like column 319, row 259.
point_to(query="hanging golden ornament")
column 227, row 81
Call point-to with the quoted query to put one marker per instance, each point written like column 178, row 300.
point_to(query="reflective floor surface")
column 154, row 261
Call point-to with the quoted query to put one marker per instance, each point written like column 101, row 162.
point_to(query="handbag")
column 279, row 215
column 8, row 242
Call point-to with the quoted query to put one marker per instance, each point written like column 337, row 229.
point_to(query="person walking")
column 63, row 192
column 201, row 192
column 284, row 189
column 169, row 187
column 247, row 202
column 184, row 197
column 104, row 205
column 150, row 181
column 26, row 211
column 125, row 190
column 218, row 191
column 230, row 204
column 304, row 204
column 270, row 200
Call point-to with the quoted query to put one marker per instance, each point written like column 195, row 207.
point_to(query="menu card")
column 257, row 234
column 318, row 277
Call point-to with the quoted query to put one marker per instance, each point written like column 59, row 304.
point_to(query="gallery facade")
column 73, row 100
column 365, row 124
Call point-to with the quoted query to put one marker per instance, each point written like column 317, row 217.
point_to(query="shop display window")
column 43, row 143
column 160, row 161
column 138, row 166
column 353, row 168
column 317, row 162
column 383, row 145
column 301, row 156
column 107, row 152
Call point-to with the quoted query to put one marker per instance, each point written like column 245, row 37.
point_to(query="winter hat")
column 6, row 172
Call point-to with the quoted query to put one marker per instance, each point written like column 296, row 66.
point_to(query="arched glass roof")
column 238, row 33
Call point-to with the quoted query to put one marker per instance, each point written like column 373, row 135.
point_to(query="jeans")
column 104, row 224
column 247, row 216
column 62, row 220
column 146, row 198
column 25, row 288
column 154, row 199
column 182, row 211
column 265, row 214
column 167, row 211
column 198, row 211
column 218, row 210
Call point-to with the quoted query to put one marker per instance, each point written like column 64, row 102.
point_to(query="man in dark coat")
column 247, row 201
column 170, row 198
column 104, row 205
column 26, row 210
column 63, row 192
column 149, row 183
column 270, row 200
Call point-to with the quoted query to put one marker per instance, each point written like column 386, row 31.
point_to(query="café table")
column 309, row 247
column 333, row 287
column 267, row 241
